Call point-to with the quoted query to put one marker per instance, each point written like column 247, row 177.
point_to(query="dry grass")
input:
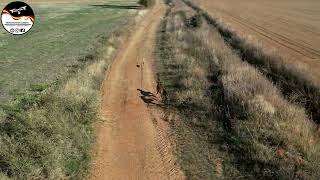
column 231, row 112
column 294, row 79
column 184, row 78
column 270, row 121
column 48, row 134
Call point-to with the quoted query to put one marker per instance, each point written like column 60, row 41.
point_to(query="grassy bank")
column 295, row 80
column 48, row 134
column 234, row 122
column 46, row 123
column 198, row 130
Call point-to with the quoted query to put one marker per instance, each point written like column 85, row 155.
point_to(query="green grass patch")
column 61, row 39
column 50, row 89
column 147, row 3
column 47, row 133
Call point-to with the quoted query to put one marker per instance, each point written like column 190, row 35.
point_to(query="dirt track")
column 132, row 143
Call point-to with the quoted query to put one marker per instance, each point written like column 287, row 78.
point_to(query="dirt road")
column 132, row 143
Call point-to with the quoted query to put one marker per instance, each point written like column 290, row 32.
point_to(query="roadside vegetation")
column 233, row 121
column 48, row 132
column 147, row 3
column 46, row 123
column 295, row 80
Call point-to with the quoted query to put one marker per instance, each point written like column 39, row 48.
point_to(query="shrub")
column 146, row 3
column 195, row 21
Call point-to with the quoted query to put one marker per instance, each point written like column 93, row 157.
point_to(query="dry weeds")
column 240, row 114
column 295, row 80
column 48, row 135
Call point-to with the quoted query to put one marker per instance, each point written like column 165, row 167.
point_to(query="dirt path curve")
column 132, row 143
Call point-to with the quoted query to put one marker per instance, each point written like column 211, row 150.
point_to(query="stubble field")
column 292, row 24
column 290, row 28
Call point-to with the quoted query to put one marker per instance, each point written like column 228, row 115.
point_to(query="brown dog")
column 162, row 91
column 159, row 87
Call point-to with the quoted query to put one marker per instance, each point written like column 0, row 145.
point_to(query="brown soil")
column 132, row 142
column 290, row 28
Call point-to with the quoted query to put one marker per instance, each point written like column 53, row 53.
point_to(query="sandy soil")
column 132, row 143
column 289, row 27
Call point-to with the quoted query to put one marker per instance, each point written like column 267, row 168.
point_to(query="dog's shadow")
column 148, row 97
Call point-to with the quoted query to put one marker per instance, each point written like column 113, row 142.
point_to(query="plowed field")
column 290, row 27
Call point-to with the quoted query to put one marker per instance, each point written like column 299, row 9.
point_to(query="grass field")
column 50, row 86
column 234, row 121
column 64, row 36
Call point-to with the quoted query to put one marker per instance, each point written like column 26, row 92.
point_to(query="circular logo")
column 17, row 18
